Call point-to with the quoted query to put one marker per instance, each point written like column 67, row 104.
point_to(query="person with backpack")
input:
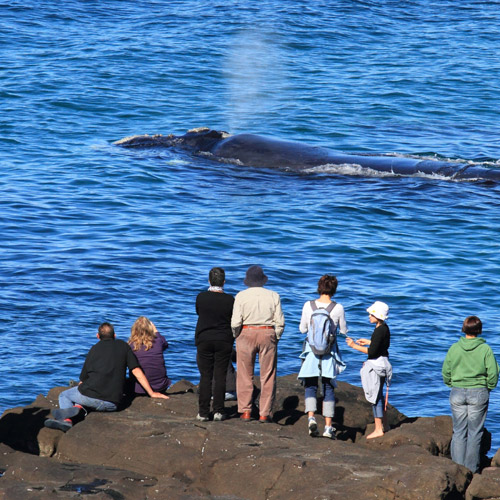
column 321, row 360
column 377, row 369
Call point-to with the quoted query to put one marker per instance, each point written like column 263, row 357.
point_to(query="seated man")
column 102, row 380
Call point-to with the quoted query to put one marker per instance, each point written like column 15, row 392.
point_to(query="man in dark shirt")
column 102, row 380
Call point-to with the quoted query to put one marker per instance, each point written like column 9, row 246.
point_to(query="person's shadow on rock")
column 289, row 411
column 20, row 430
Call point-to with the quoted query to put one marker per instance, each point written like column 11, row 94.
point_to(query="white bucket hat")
column 379, row 309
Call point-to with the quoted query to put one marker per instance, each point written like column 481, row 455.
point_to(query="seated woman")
column 148, row 346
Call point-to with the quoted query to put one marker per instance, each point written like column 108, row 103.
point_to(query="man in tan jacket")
column 257, row 324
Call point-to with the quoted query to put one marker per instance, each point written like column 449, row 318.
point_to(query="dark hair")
column 472, row 326
column 217, row 276
column 106, row 330
column 327, row 285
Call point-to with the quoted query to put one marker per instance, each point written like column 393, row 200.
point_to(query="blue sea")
column 91, row 232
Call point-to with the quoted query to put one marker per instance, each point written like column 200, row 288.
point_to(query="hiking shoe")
column 61, row 425
column 265, row 419
column 201, row 419
column 329, row 433
column 313, row 427
column 219, row 417
column 246, row 416
column 230, row 396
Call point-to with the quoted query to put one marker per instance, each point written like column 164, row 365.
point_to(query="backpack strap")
column 331, row 306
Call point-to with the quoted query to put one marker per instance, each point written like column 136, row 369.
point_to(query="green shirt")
column 470, row 363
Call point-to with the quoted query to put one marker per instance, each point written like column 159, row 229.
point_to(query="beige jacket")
column 257, row 306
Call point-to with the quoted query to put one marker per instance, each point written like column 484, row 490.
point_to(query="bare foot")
column 375, row 434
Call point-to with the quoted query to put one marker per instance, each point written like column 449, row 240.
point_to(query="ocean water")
column 92, row 232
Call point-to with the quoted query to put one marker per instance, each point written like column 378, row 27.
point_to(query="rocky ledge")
column 155, row 449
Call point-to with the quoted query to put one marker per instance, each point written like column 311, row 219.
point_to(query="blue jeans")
column 311, row 385
column 378, row 407
column 468, row 409
column 73, row 396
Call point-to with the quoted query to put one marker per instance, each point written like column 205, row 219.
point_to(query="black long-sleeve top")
column 380, row 342
column 214, row 317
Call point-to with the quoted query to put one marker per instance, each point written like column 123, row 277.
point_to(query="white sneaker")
column 218, row 417
column 313, row 427
column 230, row 396
column 329, row 432
column 201, row 419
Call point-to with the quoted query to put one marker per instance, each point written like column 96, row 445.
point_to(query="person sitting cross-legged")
column 102, row 380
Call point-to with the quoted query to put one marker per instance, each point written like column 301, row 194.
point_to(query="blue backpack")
column 322, row 332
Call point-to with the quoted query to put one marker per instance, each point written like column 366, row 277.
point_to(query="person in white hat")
column 376, row 370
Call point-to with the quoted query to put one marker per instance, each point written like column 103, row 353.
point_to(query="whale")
column 255, row 150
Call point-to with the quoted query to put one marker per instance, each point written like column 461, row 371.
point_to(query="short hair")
column 327, row 285
column 106, row 331
column 472, row 326
column 217, row 276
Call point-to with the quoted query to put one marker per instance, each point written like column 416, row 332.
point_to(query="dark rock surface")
column 155, row 449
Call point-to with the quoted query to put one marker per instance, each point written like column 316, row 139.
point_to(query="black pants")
column 213, row 359
column 230, row 375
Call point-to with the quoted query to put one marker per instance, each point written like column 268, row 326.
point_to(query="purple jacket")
column 153, row 364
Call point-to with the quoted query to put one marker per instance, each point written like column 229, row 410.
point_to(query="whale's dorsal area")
column 261, row 151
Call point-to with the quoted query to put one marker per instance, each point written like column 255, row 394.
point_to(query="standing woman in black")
column 377, row 369
column 214, row 343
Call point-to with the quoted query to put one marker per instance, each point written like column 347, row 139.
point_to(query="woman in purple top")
column 148, row 345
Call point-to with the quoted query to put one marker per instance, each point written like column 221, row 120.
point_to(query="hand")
column 159, row 395
column 349, row 342
column 363, row 342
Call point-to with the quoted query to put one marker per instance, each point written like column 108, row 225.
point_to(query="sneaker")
column 230, row 396
column 313, row 427
column 201, row 419
column 219, row 417
column 61, row 425
column 329, row 432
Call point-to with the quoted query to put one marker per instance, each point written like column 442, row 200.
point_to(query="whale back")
column 257, row 150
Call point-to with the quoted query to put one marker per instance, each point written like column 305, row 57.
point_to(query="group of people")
column 255, row 319
column 104, row 373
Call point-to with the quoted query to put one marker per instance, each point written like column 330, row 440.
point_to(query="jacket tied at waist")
column 371, row 375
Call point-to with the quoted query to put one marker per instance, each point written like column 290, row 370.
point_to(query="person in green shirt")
column 470, row 369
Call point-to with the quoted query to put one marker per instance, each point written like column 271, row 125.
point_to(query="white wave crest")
column 356, row 170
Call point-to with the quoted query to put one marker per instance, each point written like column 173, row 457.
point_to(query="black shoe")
column 60, row 425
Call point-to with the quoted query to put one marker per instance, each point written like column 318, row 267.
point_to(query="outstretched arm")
column 363, row 342
column 141, row 378
column 356, row 346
